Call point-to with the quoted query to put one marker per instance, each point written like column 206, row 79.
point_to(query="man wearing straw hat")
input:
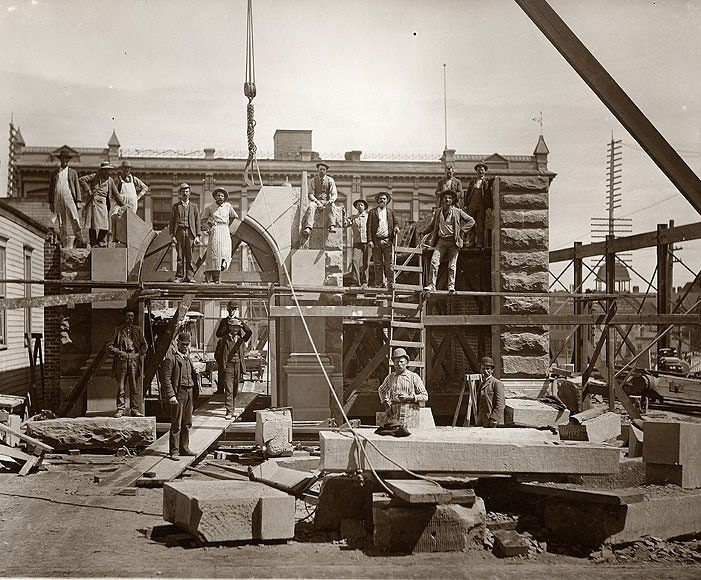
column 322, row 196
column 361, row 252
column 65, row 199
column 402, row 390
column 100, row 190
column 382, row 228
column 216, row 219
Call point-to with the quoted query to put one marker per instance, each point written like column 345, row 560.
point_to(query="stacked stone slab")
column 672, row 453
column 521, row 265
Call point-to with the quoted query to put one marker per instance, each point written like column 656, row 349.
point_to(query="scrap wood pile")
column 18, row 451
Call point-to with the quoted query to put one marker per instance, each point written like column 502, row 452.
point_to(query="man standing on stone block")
column 478, row 198
column 490, row 400
column 382, row 229
column 178, row 380
column 450, row 183
column 100, row 191
column 184, row 228
column 128, row 347
column 361, row 252
column 232, row 334
column 322, row 196
column 65, row 199
column 448, row 228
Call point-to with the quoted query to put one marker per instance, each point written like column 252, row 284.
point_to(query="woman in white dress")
column 216, row 219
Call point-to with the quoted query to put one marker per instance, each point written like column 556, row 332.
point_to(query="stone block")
column 524, row 261
column 521, row 305
column 525, row 366
column 344, row 498
column 526, row 343
column 228, row 511
column 524, row 239
column 672, row 442
column 76, row 263
column 102, row 396
column 635, row 441
column 335, row 280
column 524, row 218
column 308, row 268
column 524, row 281
column 109, row 264
column 687, row 476
column 94, row 432
column 533, row 413
column 569, row 391
column 334, row 262
column 274, row 431
column 130, row 229
column 596, row 430
column 631, row 473
column 521, row 185
column 508, row 543
column 524, row 201
column 408, row 529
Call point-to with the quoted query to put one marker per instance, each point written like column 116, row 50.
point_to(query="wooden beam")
column 35, row 442
column 622, row 396
column 597, row 349
column 469, row 353
column 442, row 350
column 79, row 388
column 352, row 348
column 369, row 368
column 549, row 320
column 330, row 311
column 61, row 300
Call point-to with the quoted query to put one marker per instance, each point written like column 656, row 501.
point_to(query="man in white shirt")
column 361, row 252
column 65, row 199
column 322, row 196
column 381, row 230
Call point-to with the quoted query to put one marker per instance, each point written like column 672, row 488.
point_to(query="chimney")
column 209, row 152
column 353, row 155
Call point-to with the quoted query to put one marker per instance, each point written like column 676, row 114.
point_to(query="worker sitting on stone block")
column 401, row 393
column 490, row 399
column 322, row 196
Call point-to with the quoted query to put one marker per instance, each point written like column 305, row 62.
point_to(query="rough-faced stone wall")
column 521, row 267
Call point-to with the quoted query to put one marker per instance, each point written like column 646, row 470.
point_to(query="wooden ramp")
column 208, row 424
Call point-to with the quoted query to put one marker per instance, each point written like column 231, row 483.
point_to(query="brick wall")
column 52, row 321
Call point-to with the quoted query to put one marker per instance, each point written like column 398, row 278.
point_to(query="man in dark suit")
column 490, row 401
column 382, row 229
column 179, row 380
column 449, row 183
column 65, row 199
column 478, row 197
column 128, row 347
column 232, row 333
column 184, row 227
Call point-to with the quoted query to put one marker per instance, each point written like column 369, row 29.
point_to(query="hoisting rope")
column 249, row 90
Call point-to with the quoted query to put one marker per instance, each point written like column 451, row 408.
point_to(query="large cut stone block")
column 524, row 261
column 525, row 218
column 525, row 343
column 308, row 267
column 228, row 511
column 526, row 239
column 525, row 366
column 687, row 476
column 94, row 432
column 469, row 449
column 274, row 431
column 75, row 263
column 672, row 442
column 523, row 184
column 636, row 438
column 344, row 497
column 525, row 201
column 402, row 528
column 524, row 281
column 521, row 305
column 334, row 262
column 533, row 413
column 597, row 429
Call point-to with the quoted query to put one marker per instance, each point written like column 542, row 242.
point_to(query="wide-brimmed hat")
column 486, row 361
column 105, row 165
column 231, row 304
column 64, row 151
column 377, row 196
column 482, row 164
column 322, row 164
column 183, row 185
column 125, row 164
column 218, row 189
column 184, row 337
column 359, row 201
column 399, row 353
column 443, row 193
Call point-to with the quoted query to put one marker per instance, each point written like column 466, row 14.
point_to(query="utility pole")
column 445, row 106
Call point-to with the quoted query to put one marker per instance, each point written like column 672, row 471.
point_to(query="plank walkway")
column 208, row 424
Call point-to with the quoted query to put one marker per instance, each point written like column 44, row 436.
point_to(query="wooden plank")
column 420, row 491
column 408, row 288
column 31, row 463
column 369, row 368
column 61, row 300
column 14, row 453
column 405, row 324
column 329, row 311
column 406, row 305
column 406, row 343
column 27, row 438
column 408, row 250
column 406, row 268
column 208, row 424
column 606, row 497
column 620, row 394
column 549, row 320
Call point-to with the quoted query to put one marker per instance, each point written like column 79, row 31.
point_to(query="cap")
column 231, row 304
column 400, row 353
column 106, row 165
column 184, row 337
column 126, row 164
column 487, row 361
column 183, row 186
column 443, row 193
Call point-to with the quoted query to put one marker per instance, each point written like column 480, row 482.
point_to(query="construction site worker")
column 232, row 334
column 360, row 264
column 65, row 200
column 131, row 189
column 179, row 380
column 400, row 387
column 382, row 229
column 490, row 400
column 100, row 191
column 184, row 228
column 478, row 197
column 448, row 228
column 450, row 183
column 322, row 196
column 128, row 347
column 216, row 219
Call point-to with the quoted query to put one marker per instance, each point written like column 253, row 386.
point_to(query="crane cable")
column 249, row 91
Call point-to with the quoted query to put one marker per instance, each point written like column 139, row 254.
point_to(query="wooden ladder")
column 406, row 324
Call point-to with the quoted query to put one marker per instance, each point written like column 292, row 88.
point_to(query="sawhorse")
column 469, row 384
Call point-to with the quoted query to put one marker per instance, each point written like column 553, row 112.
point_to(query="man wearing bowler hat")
column 178, row 381
column 448, row 228
column 478, row 198
column 361, row 252
column 184, row 228
column 232, row 334
column 382, row 229
column 99, row 192
column 65, row 199
column 401, row 386
column 490, row 400
column 322, row 196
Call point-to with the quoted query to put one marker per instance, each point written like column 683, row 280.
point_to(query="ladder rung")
column 408, row 287
column 403, row 268
column 403, row 324
column 407, row 250
column 406, row 343
column 406, row 305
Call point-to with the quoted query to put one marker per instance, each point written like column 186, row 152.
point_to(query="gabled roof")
column 65, row 149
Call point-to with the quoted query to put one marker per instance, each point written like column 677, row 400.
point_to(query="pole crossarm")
column 671, row 235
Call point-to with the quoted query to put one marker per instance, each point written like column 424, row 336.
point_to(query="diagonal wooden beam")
column 469, row 353
column 79, row 388
column 369, row 368
column 597, row 349
column 621, row 395
column 353, row 347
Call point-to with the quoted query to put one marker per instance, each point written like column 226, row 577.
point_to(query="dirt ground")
column 60, row 523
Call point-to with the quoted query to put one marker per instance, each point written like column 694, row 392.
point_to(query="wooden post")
column 664, row 282
column 579, row 354
column 609, row 329
column 496, row 275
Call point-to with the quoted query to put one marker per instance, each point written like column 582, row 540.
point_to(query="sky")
column 368, row 75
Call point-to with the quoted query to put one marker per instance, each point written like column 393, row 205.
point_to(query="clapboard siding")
column 15, row 236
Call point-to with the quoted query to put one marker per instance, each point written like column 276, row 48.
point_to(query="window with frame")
column 3, row 292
